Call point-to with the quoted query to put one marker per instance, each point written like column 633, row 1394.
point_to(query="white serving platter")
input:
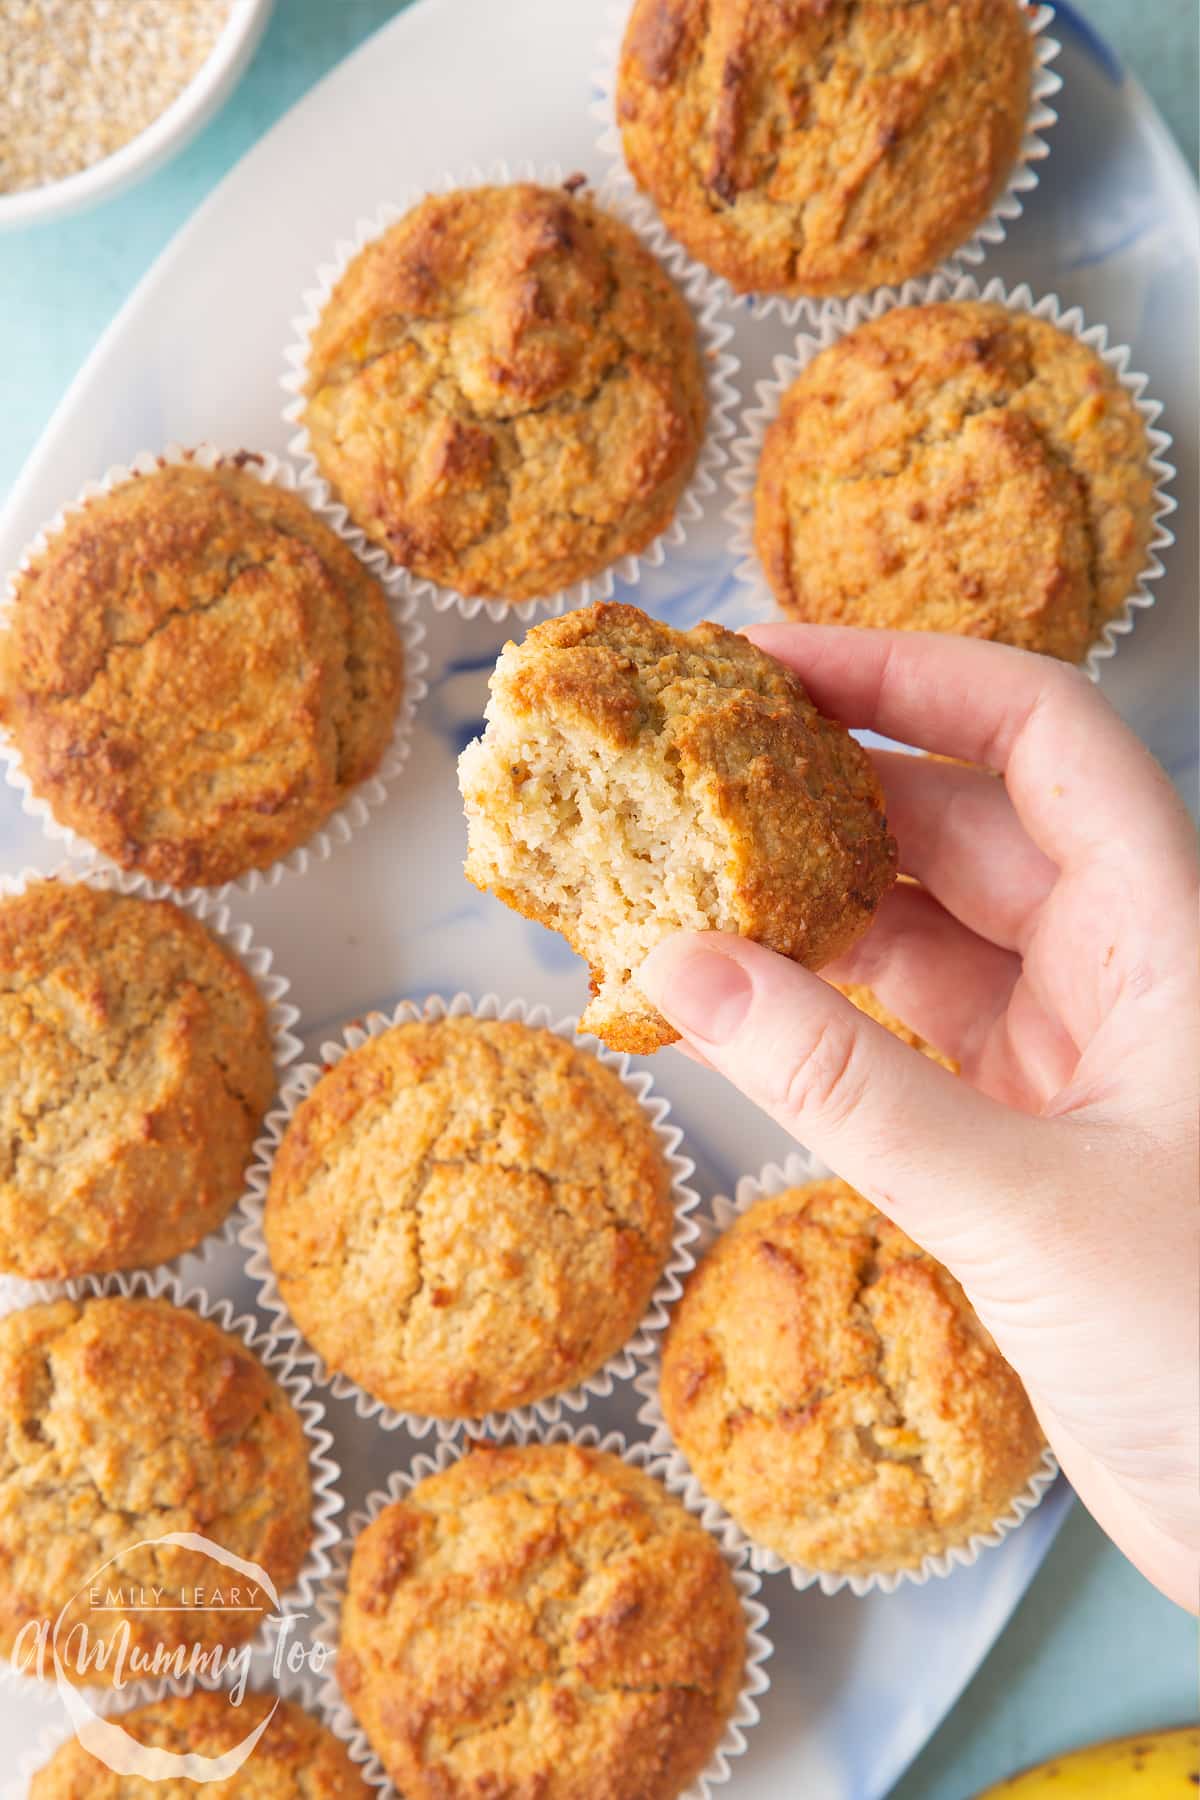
column 858, row 1685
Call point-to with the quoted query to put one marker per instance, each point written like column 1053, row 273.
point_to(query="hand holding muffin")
column 633, row 780
column 1037, row 955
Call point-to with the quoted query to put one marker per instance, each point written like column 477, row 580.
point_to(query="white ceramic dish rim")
column 624, row 1364
column 208, row 89
column 794, row 309
column 721, row 366
column 759, row 1647
column 836, row 319
column 360, row 802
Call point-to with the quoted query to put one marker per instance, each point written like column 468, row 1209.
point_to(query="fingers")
column 970, row 1000
column 1079, row 779
column 1164, row 1553
column 953, row 695
column 1027, row 1056
column 943, row 981
column 959, row 836
column 926, row 1147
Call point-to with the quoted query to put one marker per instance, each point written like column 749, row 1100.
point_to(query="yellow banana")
column 1152, row 1765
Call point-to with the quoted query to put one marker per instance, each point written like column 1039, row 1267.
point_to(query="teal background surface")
column 1092, row 1650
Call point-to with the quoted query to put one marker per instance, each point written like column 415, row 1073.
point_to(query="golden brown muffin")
column 868, row 1001
column 196, row 672
column 957, row 467
column 634, row 780
column 122, row 1420
column 295, row 1755
column 506, row 391
column 135, row 1069
column 543, row 1621
column 831, row 1386
column 823, row 146
column 468, row 1214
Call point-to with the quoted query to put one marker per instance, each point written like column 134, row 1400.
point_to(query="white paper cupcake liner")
column 837, row 320
column 238, row 940
column 793, row 309
column 354, row 811
column 755, row 1682
column 619, row 1367
column 715, row 334
column 305, row 1688
column 801, row 1167
column 292, row 1369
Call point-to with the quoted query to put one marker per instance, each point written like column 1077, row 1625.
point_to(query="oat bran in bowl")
column 99, row 93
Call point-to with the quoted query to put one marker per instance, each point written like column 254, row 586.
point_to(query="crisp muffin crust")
column 295, row 1755
column 823, row 146
column 634, row 780
column 506, row 391
column 135, row 1069
column 122, row 1420
column 832, row 1387
column 957, row 467
column 543, row 1621
column 196, row 671
column 468, row 1214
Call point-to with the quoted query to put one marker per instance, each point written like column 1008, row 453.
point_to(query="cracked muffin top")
column 957, row 467
column 541, row 1620
column 635, row 780
column 506, row 391
column 467, row 1215
column 296, row 1755
column 196, row 671
column 831, row 1386
column 135, row 1069
column 823, row 146
column 123, row 1420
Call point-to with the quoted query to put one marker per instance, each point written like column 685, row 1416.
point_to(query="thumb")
column 941, row 1159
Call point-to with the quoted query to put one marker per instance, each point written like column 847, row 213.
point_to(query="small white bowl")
column 172, row 129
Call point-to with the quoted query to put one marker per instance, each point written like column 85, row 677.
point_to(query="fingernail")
column 701, row 991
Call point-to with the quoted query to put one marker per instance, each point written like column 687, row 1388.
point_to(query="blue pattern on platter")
column 857, row 1685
